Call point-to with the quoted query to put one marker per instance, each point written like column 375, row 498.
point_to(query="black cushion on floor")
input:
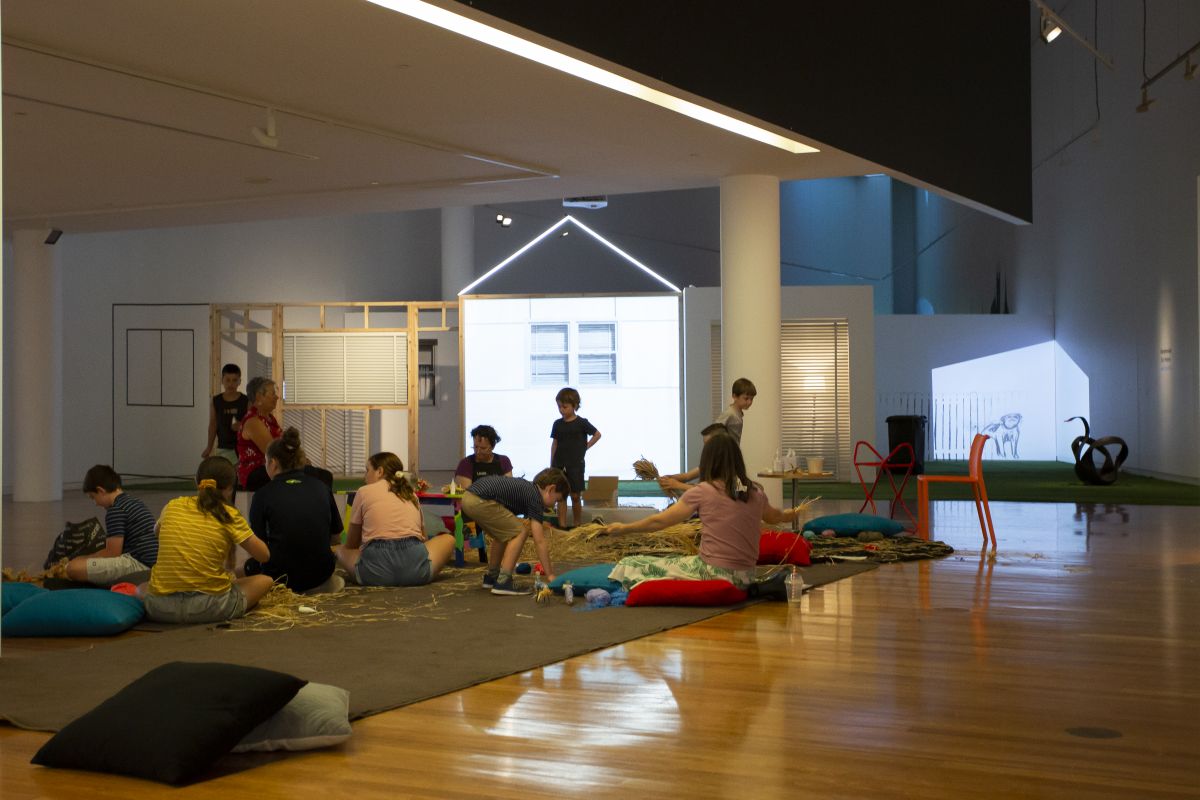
column 173, row 723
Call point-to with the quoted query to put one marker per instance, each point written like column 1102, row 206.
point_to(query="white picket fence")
column 952, row 419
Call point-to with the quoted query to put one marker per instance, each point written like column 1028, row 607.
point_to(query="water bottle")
column 789, row 460
column 795, row 586
column 777, row 464
column 569, row 592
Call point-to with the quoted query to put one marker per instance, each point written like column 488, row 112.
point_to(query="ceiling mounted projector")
column 593, row 202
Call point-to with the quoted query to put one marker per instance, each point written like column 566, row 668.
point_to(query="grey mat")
column 455, row 638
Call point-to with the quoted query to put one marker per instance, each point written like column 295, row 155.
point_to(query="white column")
column 750, row 311
column 458, row 249
column 36, row 421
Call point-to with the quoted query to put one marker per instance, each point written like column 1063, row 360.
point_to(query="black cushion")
column 173, row 723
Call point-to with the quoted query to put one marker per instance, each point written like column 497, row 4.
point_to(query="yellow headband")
column 207, row 483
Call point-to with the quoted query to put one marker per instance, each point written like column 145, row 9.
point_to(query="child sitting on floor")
column 196, row 537
column 130, row 544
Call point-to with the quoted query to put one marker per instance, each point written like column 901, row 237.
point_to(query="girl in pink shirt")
column 385, row 543
column 731, row 508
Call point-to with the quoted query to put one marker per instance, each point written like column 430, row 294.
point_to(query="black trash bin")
column 909, row 428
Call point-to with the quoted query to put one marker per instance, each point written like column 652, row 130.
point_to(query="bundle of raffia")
column 645, row 469
column 58, row 570
column 588, row 544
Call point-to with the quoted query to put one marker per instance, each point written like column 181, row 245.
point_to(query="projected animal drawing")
column 1006, row 434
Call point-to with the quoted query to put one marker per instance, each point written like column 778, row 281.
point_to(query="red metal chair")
column 899, row 462
column 974, row 477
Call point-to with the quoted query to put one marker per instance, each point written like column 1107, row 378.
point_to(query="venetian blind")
column 345, row 368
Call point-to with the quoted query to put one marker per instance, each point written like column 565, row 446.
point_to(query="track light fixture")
column 1053, row 25
column 53, row 236
column 1147, row 101
column 503, row 221
column 268, row 137
column 1050, row 28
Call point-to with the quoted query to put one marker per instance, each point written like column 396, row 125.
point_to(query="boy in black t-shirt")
column 225, row 416
column 571, row 442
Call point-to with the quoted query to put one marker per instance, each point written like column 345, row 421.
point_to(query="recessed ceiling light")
column 465, row 26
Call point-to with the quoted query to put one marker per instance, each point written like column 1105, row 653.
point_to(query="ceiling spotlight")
column 506, row 222
column 1147, row 101
column 499, row 218
column 565, row 233
column 266, row 138
column 1050, row 28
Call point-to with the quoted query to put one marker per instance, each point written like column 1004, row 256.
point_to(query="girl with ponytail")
column 385, row 543
column 295, row 514
column 196, row 537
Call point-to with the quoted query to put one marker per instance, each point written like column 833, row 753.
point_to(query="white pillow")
column 318, row 716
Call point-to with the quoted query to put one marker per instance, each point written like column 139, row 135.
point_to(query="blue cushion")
column 584, row 578
column 854, row 524
column 14, row 593
column 74, row 612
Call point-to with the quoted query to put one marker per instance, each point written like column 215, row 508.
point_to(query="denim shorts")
column 394, row 562
column 195, row 607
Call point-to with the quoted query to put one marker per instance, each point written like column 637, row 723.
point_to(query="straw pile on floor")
column 588, row 544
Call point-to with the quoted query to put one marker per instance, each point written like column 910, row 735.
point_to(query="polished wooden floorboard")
column 963, row 677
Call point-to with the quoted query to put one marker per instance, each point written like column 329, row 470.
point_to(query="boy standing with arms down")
column 495, row 502
column 225, row 416
column 743, row 398
column 130, row 543
column 571, row 442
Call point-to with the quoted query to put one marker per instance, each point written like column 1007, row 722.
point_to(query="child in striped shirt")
column 196, row 536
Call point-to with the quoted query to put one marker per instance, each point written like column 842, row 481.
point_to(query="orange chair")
column 974, row 477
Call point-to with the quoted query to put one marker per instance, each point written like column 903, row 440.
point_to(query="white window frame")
column 578, row 348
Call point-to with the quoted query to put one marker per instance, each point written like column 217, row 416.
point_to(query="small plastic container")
column 795, row 586
column 569, row 593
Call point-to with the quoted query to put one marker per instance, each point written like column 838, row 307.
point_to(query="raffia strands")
column 645, row 470
column 282, row 608
column 59, row 570
column 587, row 544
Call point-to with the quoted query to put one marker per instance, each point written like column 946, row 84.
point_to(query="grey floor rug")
column 454, row 637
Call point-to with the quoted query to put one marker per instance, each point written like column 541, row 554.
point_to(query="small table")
column 796, row 476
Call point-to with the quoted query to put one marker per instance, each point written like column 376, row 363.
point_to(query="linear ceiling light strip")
column 456, row 23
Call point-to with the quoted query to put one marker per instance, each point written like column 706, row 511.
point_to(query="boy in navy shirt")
column 571, row 442
column 131, row 541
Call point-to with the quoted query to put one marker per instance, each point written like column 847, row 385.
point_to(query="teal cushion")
column 14, row 593
column 584, row 578
column 854, row 524
column 74, row 612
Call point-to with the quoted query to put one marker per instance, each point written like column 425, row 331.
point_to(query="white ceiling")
column 138, row 113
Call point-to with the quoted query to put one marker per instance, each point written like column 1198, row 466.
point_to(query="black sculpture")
column 1085, row 448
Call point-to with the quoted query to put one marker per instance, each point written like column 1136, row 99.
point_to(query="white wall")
column 639, row 416
column 367, row 257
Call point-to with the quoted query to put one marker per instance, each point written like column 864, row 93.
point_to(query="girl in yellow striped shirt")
column 196, row 535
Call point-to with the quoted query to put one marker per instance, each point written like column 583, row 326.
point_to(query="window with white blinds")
column 340, row 368
column 548, row 357
column 598, row 352
column 815, row 401
column 594, row 354
column 333, row 437
column 815, row 378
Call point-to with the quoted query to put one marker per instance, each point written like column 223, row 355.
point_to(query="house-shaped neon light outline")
column 568, row 218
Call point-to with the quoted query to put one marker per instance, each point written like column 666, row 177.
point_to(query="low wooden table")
column 796, row 476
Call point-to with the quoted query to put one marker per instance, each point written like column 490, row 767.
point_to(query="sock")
column 504, row 575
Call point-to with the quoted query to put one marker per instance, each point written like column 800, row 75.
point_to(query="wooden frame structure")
column 230, row 320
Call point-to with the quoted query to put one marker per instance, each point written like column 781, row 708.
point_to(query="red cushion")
column 682, row 592
column 781, row 547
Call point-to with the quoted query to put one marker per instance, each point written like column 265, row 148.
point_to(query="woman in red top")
column 259, row 429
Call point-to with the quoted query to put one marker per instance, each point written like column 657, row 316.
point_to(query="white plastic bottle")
column 777, row 464
column 569, row 593
column 795, row 586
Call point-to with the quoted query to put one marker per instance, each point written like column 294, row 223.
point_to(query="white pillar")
column 36, row 309
column 750, row 311
column 458, row 249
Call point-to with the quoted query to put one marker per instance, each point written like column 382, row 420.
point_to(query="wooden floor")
column 1067, row 668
